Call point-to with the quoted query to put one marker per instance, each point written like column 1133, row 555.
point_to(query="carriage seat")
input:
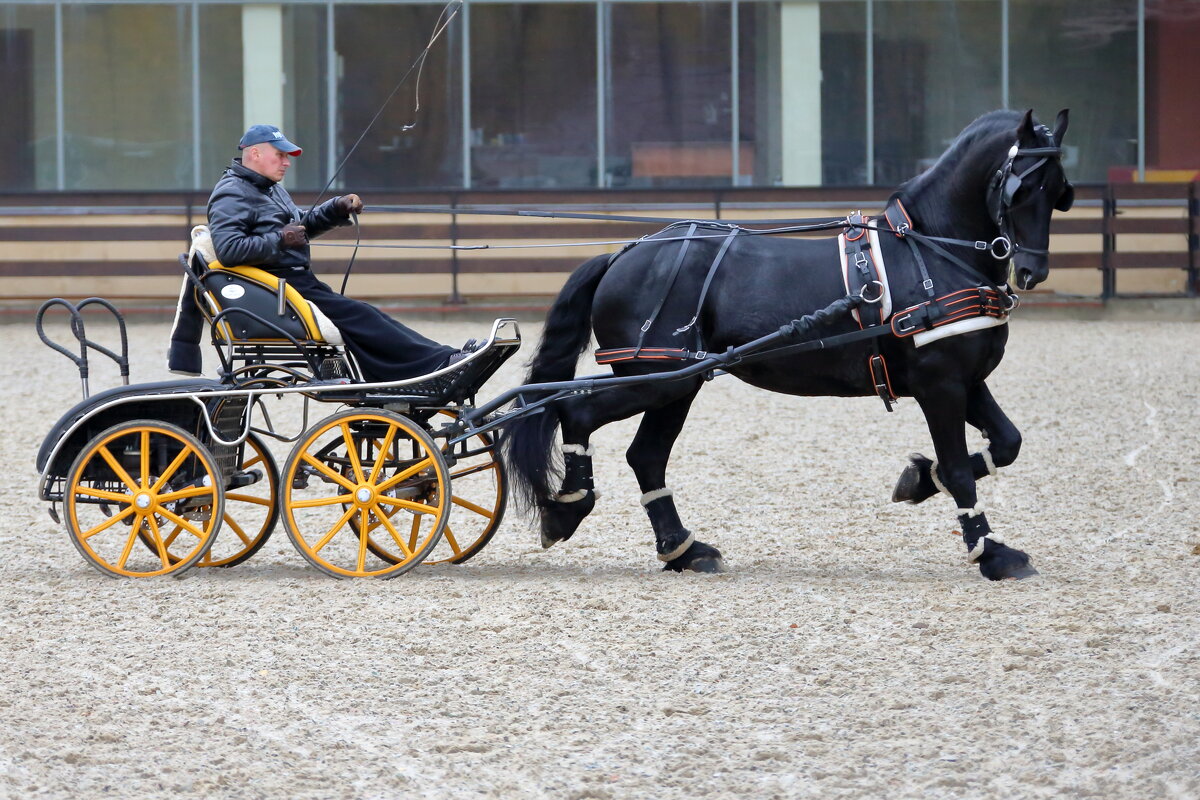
column 256, row 291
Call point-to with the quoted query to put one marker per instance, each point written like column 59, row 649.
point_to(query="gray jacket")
column 246, row 215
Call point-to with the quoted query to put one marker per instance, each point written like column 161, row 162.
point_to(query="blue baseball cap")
column 258, row 134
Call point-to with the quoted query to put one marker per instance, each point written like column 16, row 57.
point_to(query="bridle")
column 1004, row 187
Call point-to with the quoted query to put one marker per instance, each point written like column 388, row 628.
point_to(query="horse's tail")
column 528, row 440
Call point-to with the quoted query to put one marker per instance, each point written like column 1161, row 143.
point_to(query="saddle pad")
column 880, row 269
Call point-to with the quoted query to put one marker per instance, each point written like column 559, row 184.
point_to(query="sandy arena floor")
column 849, row 652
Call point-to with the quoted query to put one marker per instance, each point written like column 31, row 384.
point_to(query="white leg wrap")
column 678, row 551
column 941, row 487
column 987, row 459
column 579, row 449
column 971, row 512
column 975, row 552
column 570, row 497
column 650, row 497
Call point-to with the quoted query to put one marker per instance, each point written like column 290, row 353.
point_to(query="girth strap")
column 662, row 300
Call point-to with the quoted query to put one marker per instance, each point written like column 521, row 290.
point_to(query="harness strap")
column 683, row 248
column 901, row 223
column 708, row 279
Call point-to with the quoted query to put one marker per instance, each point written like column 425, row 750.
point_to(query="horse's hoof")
column 700, row 557
column 914, row 484
column 1001, row 562
column 559, row 520
column 1021, row 573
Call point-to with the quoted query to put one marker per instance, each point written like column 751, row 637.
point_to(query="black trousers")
column 386, row 350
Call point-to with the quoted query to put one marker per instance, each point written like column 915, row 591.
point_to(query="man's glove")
column 294, row 235
column 350, row 204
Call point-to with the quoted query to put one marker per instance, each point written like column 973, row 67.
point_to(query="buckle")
column 860, row 260
column 898, row 323
column 927, row 284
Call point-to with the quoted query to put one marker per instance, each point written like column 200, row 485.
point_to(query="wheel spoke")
column 478, row 509
column 324, row 501
column 195, row 491
column 448, row 535
column 419, row 508
column 405, row 474
column 362, row 540
column 156, row 535
column 381, row 458
column 103, row 495
column 237, row 529
column 133, row 533
column 337, row 526
column 414, row 530
column 387, row 523
column 116, row 467
column 170, row 470
column 352, row 452
column 462, row 473
column 249, row 498
column 103, row 526
column 331, row 474
column 172, row 536
column 183, row 523
column 145, row 458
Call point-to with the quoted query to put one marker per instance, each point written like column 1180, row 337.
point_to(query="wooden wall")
column 1120, row 239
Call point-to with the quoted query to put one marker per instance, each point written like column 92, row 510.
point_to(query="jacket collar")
column 240, row 170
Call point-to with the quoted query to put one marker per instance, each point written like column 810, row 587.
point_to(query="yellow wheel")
column 368, row 471
column 479, row 492
column 143, row 479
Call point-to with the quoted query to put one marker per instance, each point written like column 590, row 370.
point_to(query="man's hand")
column 294, row 235
column 350, row 204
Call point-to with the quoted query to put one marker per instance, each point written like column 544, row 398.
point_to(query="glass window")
column 810, row 57
column 1172, row 110
column 668, row 94
column 533, row 95
column 937, row 68
column 221, row 122
column 376, row 45
column 844, row 94
column 1083, row 55
column 306, row 95
column 29, row 134
column 127, row 89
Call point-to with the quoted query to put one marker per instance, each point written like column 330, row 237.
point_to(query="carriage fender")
column 169, row 398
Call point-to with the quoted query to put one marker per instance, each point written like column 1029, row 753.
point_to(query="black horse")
column 949, row 239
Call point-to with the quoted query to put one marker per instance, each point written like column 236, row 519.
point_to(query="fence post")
column 1193, row 281
column 455, row 298
column 1108, row 273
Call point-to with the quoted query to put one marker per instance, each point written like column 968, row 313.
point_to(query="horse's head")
column 1027, row 187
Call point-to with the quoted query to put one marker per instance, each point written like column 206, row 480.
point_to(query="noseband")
column 1004, row 188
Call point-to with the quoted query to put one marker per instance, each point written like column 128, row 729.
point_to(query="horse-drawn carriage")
column 146, row 475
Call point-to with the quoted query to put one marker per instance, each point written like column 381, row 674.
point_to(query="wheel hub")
column 364, row 495
column 143, row 501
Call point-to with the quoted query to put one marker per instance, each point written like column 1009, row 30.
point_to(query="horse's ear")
column 1025, row 129
column 1060, row 126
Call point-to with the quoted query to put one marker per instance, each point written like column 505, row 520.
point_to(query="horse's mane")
column 916, row 191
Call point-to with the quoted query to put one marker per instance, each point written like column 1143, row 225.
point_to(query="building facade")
column 136, row 95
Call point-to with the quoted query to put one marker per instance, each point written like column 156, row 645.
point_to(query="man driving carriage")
column 253, row 221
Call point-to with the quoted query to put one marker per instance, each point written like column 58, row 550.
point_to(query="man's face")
column 267, row 160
